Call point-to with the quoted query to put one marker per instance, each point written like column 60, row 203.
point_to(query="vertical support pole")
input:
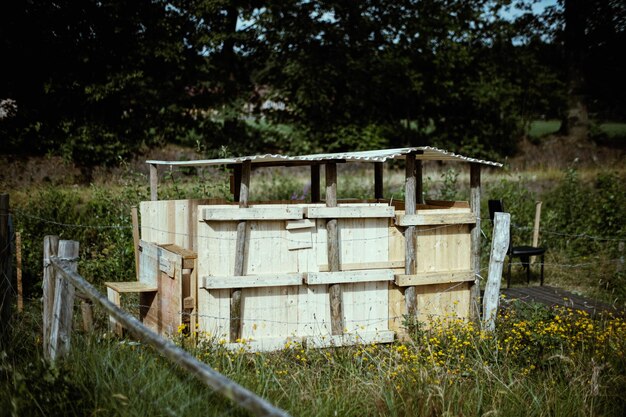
column 378, row 180
column 499, row 246
column 115, row 327
column 409, row 233
column 135, row 220
column 315, row 184
column 475, row 239
column 419, row 182
column 236, row 304
column 6, row 289
column 86, row 311
column 18, row 258
column 154, row 182
column 63, row 309
column 334, row 290
column 50, row 249
column 536, row 229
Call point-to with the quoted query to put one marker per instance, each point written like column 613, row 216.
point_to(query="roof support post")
column 378, row 180
column 237, row 182
column 154, row 182
column 410, row 188
column 315, row 183
column 334, row 290
column 236, row 305
column 475, row 238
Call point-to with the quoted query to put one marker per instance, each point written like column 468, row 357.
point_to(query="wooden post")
column 409, row 233
column 50, row 249
column 315, row 184
column 499, row 246
column 536, row 228
column 378, row 180
column 86, row 310
column 63, row 308
column 419, row 182
column 154, row 182
column 18, row 258
column 135, row 219
column 6, row 287
column 475, row 239
column 334, row 290
column 203, row 372
column 236, row 305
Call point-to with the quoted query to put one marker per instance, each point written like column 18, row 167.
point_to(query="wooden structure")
column 326, row 273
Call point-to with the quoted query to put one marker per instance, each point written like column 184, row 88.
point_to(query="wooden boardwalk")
column 552, row 296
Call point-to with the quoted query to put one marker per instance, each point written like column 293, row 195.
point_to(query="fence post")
column 6, row 288
column 63, row 308
column 499, row 246
column 50, row 249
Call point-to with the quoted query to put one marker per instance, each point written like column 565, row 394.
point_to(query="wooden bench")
column 114, row 292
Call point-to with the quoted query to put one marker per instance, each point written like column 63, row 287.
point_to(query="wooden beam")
column 536, row 228
column 410, row 232
column 429, row 278
column 499, row 247
column 429, row 218
column 254, row 213
column 50, row 249
column 349, row 212
column 475, row 239
column 378, row 180
column 236, row 313
column 351, row 339
column 252, row 281
column 63, row 308
column 154, row 182
column 315, row 184
column 334, row 290
column 348, row 277
column 135, row 219
column 366, row 265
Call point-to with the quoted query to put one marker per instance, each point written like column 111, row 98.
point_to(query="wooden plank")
column 429, row 278
column 266, row 344
column 18, row 258
column 299, row 239
column 236, row 313
column 50, row 249
column 250, row 281
column 135, row 220
column 255, row 213
column 315, row 278
column 350, row 339
column 63, row 309
column 365, row 265
column 131, row 287
column 378, row 180
column 349, row 212
column 410, row 232
column 536, row 228
column 430, row 219
column 499, row 246
column 114, row 326
column 475, row 240
column 449, row 204
column 300, row 224
column 334, row 291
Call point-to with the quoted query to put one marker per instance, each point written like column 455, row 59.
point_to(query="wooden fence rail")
column 207, row 375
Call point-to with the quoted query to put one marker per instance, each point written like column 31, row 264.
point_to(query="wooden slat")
column 349, row 212
column 154, row 182
column 236, row 306
column 366, row 265
column 428, row 219
column 130, row 287
column 475, row 240
column 339, row 277
column 300, row 224
column 253, row 213
column 429, row 278
column 332, row 238
column 410, row 257
column 350, row 339
column 251, row 281
column 265, row 344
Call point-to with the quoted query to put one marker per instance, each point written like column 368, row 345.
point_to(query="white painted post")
column 499, row 246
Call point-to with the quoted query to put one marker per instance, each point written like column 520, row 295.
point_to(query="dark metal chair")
column 522, row 252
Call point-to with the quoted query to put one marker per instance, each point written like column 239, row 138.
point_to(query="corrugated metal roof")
column 426, row 153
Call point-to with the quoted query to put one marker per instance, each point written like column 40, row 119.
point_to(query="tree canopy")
column 98, row 80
